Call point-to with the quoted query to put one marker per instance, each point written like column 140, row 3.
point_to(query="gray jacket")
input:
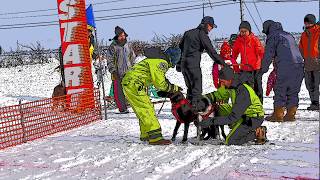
column 120, row 58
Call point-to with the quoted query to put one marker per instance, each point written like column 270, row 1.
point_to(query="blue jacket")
column 280, row 45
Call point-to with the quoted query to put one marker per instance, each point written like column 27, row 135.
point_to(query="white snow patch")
column 111, row 149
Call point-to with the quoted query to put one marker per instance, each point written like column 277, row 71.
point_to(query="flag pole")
column 100, row 74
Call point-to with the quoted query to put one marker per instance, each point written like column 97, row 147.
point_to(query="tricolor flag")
column 90, row 16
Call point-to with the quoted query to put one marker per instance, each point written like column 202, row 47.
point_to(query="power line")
column 20, row 27
column 31, row 16
column 104, row 10
column 128, row 8
column 176, row 8
column 46, row 23
column 31, row 23
column 24, row 12
column 122, row 16
column 52, row 9
column 252, row 18
column 145, row 6
column 108, row 2
column 131, row 15
column 188, row 9
column 97, row 18
column 255, row 5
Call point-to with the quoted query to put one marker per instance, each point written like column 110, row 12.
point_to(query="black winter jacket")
column 193, row 43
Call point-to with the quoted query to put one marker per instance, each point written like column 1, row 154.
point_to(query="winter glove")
column 164, row 94
column 174, row 88
column 206, row 123
column 170, row 95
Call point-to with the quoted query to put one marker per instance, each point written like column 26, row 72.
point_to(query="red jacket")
column 309, row 47
column 310, row 36
column 225, row 53
column 251, row 51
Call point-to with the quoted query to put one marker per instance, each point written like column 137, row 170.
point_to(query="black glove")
column 206, row 123
column 164, row 94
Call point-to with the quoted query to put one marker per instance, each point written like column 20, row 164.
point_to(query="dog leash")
column 162, row 106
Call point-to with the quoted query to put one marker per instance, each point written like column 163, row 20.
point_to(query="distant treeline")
column 37, row 54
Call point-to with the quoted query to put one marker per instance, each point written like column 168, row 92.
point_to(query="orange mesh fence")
column 33, row 120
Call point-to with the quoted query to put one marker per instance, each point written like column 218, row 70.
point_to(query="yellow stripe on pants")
column 144, row 110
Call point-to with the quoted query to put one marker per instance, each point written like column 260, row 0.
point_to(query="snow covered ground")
column 111, row 149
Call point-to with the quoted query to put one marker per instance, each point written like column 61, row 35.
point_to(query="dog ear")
column 176, row 97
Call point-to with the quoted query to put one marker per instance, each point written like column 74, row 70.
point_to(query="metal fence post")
column 22, row 122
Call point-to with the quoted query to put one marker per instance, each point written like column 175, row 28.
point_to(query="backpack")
column 154, row 53
column 171, row 55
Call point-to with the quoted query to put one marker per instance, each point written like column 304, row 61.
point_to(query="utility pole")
column 202, row 9
column 241, row 10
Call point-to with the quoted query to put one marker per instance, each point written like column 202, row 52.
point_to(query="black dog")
column 184, row 114
column 212, row 132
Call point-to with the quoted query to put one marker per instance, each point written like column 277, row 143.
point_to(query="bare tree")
column 138, row 46
column 37, row 54
column 167, row 41
column 13, row 59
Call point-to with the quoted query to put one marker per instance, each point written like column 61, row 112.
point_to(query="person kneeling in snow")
column 244, row 116
column 149, row 71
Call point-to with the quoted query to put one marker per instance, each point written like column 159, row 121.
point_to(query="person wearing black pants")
column 251, row 51
column 258, row 84
column 193, row 43
column 310, row 48
column 312, row 83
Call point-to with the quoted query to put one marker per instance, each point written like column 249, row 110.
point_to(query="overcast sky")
column 143, row 28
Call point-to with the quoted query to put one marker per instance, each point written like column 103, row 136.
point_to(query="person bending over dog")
column 244, row 116
column 149, row 71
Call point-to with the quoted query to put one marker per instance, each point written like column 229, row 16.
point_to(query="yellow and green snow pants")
column 240, row 132
column 139, row 100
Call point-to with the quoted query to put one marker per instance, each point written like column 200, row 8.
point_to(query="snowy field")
column 111, row 149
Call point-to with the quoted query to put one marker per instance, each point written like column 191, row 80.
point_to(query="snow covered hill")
column 111, row 149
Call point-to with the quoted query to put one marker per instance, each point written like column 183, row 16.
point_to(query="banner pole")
column 101, row 75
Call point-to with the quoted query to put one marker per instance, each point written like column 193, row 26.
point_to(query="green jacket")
column 244, row 102
column 150, row 71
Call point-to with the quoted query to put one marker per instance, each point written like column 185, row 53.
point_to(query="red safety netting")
column 33, row 120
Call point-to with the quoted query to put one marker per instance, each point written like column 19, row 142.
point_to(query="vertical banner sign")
column 75, row 50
